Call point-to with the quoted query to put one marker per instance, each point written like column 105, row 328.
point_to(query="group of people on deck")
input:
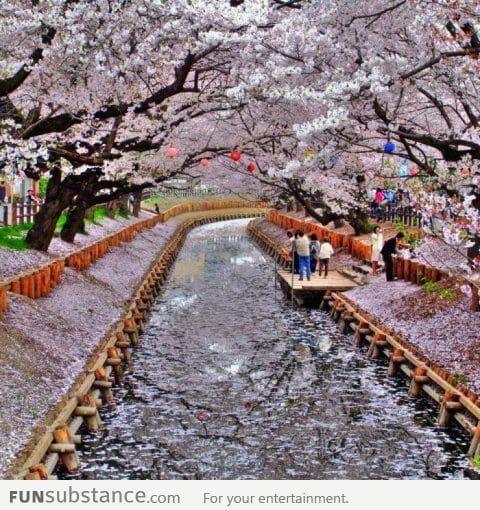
column 307, row 252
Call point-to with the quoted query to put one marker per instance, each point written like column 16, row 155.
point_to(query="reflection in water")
column 230, row 382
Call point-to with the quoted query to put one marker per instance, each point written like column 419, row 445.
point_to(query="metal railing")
column 405, row 215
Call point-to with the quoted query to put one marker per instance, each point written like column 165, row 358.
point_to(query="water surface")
column 231, row 382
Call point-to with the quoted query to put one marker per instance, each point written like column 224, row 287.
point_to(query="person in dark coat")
column 389, row 248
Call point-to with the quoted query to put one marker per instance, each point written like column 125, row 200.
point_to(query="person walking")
column 314, row 252
column 389, row 248
column 378, row 201
column 293, row 250
column 377, row 245
column 303, row 251
column 326, row 251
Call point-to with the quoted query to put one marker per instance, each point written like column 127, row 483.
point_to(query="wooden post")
column 360, row 332
column 124, row 344
column 345, row 318
column 474, row 449
column 450, row 404
column 419, row 378
column 376, row 345
column 87, row 408
column 337, row 310
column 115, row 361
column 413, row 271
column 3, row 301
column 37, row 472
column 396, row 358
column 16, row 287
column 420, row 274
column 37, row 284
column 66, row 448
column 130, row 328
column 103, row 384
column 398, row 268
column 137, row 316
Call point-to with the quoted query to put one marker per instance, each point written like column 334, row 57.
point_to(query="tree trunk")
column 137, row 202
column 58, row 197
column 472, row 253
column 359, row 221
column 122, row 204
column 75, row 224
column 44, row 223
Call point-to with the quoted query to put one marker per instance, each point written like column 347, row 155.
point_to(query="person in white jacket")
column 326, row 251
column 377, row 245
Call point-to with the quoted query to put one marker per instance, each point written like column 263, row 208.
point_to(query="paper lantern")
column 172, row 152
column 235, row 155
column 465, row 172
column 309, row 153
column 413, row 170
column 251, row 167
column 204, row 162
column 389, row 147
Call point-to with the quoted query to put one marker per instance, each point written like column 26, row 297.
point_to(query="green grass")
column 122, row 214
column 14, row 237
column 98, row 215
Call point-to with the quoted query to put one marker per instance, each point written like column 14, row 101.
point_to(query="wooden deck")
column 306, row 292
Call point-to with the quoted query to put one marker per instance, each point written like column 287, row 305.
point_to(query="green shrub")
column 435, row 288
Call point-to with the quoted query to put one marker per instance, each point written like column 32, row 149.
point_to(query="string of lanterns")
column 235, row 155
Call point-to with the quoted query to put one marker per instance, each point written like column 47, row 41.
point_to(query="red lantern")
column 465, row 172
column 204, row 162
column 235, row 155
column 413, row 171
column 251, row 167
column 172, row 152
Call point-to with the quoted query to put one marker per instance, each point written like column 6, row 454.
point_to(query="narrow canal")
column 230, row 382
